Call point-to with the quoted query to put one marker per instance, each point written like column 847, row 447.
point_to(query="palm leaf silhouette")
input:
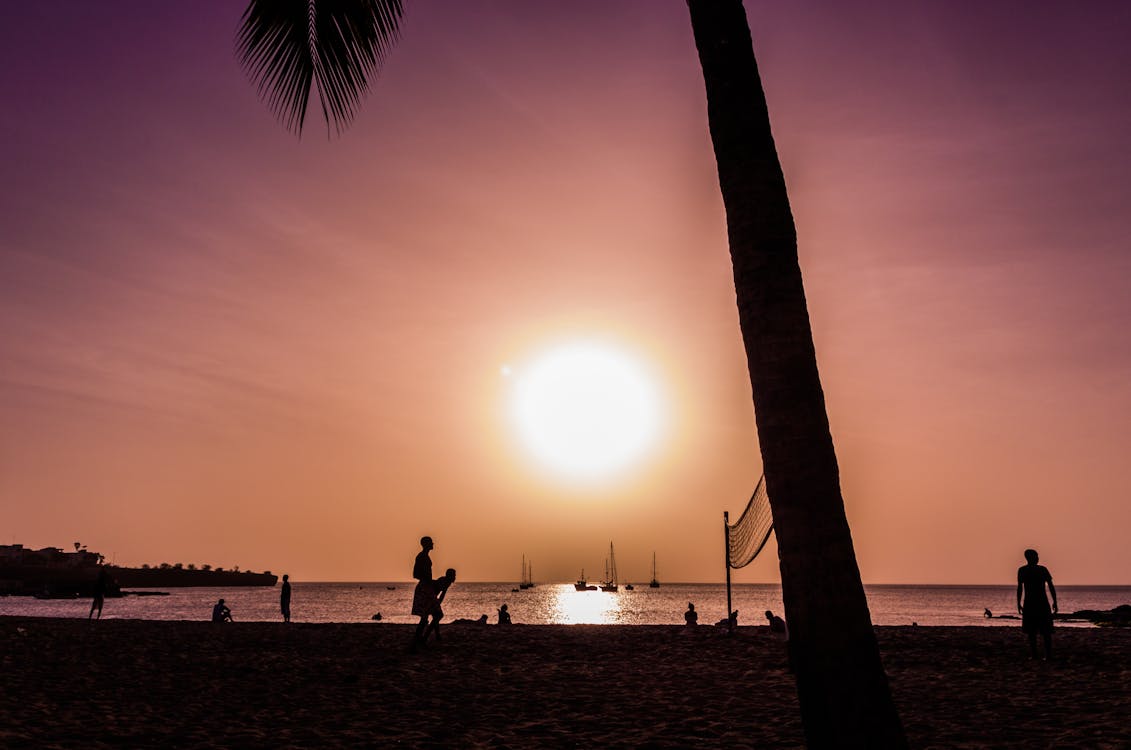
column 336, row 45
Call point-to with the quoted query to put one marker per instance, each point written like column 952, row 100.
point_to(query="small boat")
column 582, row 584
column 654, row 583
column 610, row 583
column 391, row 588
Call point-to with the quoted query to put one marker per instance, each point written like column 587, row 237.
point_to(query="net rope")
column 748, row 535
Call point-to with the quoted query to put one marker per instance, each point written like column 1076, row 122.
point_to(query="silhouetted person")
column 101, row 583
column 1036, row 617
column 285, row 598
column 481, row 620
column 440, row 586
column 504, row 616
column 780, row 630
column 424, row 597
column 221, row 613
column 729, row 622
column 691, row 617
column 987, row 614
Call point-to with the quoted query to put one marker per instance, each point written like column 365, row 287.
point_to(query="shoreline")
column 107, row 683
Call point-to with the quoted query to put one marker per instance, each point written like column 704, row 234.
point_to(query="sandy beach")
column 70, row 683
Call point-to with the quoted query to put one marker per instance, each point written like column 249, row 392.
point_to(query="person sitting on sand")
column 221, row 613
column 481, row 620
column 777, row 624
column 691, row 617
column 441, row 586
column 1036, row 617
column 728, row 622
column 504, row 615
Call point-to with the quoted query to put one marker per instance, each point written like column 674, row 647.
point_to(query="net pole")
column 726, row 546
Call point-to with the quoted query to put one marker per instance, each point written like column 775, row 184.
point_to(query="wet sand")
column 129, row 683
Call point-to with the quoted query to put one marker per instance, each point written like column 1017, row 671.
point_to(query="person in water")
column 100, row 585
column 1036, row 616
column 285, row 598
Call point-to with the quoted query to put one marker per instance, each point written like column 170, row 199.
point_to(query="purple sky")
column 220, row 344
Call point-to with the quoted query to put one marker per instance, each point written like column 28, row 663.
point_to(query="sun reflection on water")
column 574, row 607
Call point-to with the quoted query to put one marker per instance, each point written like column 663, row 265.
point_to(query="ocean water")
column 561, row 604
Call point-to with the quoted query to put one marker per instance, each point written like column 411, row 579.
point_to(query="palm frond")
column 285, row 46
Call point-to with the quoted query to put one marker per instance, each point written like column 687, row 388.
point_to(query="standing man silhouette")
column 424, row 598
column 285, row 598
column 100, row 585
column 1036, row 617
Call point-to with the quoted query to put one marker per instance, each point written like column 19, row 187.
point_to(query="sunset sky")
column 223, row 344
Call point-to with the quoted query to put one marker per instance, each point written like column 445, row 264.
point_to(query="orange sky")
column 220, row 344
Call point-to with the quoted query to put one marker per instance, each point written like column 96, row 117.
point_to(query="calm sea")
column 560, row 604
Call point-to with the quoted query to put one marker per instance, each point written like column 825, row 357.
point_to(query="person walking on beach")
column 221, row 613
column 285, row 598
column 424, row 597
column 1036, row 617
column 101, row 583
column 691, row 617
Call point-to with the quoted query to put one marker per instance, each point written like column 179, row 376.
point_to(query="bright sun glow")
column 585, row 410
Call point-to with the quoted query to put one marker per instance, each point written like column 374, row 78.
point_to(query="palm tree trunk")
column 843, row 691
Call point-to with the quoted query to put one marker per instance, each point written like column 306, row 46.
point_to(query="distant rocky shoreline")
column 1118, row 617
column 53, row 573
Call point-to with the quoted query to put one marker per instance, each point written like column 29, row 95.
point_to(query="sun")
column 585, row 410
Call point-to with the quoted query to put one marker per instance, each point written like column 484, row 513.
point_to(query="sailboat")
column 527, row 574
column 582, row 584
column 654, row 584
column 610, row 583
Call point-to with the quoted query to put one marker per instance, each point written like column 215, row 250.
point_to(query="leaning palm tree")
column 335, row 47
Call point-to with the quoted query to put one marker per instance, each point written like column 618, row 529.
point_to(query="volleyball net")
column 747, row 537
